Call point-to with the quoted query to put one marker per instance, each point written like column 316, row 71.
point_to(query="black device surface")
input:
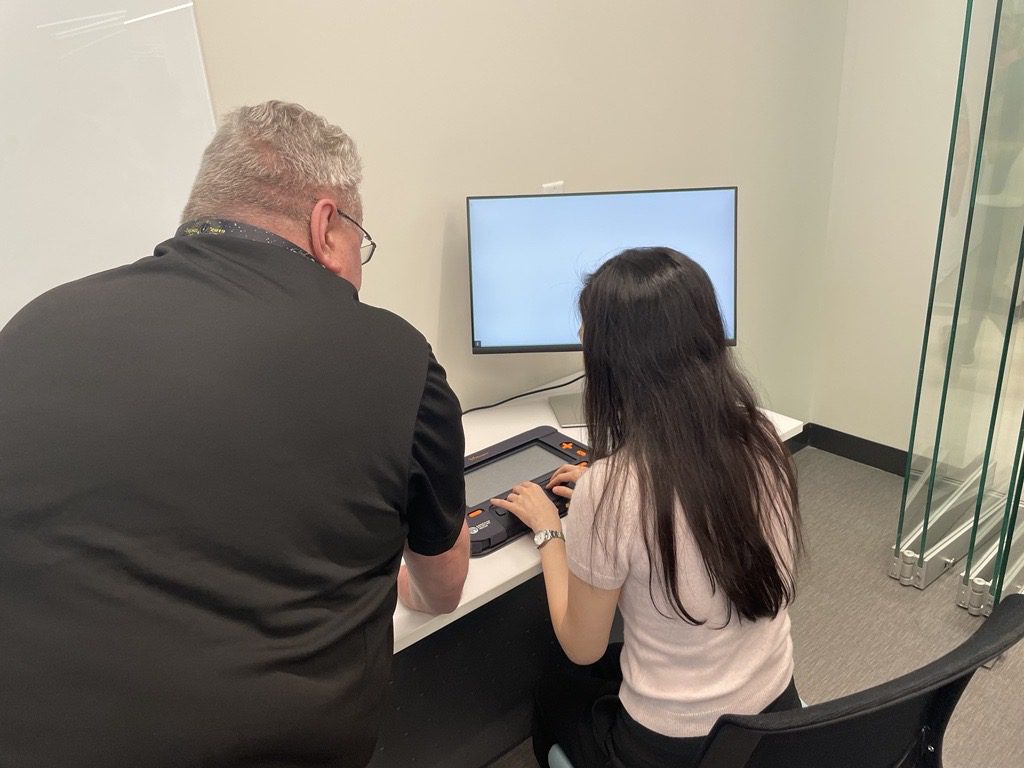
column 491, row 473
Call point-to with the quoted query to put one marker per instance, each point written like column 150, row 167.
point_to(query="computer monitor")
column 528, row 255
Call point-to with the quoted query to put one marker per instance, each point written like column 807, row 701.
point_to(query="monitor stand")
column 568, row 409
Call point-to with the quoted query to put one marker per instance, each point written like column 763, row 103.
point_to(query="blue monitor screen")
column 528, row 256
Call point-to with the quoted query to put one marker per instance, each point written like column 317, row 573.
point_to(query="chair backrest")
column 898, row 724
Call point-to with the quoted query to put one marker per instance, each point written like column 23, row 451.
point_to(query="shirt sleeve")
column 599, row 554
column 436, row 506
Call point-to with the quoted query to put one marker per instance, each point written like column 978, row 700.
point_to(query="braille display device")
column 491, row 473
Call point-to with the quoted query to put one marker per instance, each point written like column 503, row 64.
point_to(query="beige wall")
column 833, row 121
column 895, row 114
column 450, row 98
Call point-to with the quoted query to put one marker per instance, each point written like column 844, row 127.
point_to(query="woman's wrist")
column 552, row 525
column 544, row 535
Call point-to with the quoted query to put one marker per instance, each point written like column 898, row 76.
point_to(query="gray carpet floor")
column 854, row 627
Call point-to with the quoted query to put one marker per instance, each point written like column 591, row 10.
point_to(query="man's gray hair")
column 275, row 158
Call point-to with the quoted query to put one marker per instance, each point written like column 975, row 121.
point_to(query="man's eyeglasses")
column 367, row 247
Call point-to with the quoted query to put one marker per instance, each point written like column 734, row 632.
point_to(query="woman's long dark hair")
column 664, row 399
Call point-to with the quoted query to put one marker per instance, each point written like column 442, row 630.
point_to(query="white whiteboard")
column 104, row 113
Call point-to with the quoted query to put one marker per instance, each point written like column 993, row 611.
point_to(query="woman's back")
column 688, row 522
column 678, row 677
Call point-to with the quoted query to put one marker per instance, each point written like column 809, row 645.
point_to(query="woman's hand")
column 529, row 503
column 567, row 473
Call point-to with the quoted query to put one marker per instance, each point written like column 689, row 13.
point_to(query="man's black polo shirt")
column 210, row 461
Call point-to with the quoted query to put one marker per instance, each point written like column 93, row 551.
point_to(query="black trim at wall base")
column 849, row 446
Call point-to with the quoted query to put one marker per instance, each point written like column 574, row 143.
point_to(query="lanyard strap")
column 242, row 230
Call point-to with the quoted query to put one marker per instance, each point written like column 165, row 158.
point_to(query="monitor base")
column 568, row 409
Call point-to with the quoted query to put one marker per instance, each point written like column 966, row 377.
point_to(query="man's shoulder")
column 396, row 326
column 51, row 303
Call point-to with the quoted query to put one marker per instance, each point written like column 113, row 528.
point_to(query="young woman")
column 687, row 521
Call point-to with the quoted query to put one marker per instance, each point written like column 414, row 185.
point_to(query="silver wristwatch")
column 540, row 538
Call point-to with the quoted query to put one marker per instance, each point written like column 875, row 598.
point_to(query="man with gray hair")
column 212, row 462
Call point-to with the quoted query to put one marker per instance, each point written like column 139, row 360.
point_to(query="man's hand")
column 433, row 583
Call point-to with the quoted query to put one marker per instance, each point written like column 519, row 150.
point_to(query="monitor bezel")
column 731, row 342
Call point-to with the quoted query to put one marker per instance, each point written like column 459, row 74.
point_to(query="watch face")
column 540, row 537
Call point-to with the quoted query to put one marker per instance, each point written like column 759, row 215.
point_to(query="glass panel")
column 962, row 489
column 1003, row 452
column 1009, row 575
column 1012, row 569
column 940, row 471
column 976, row 336
column 1001, row 202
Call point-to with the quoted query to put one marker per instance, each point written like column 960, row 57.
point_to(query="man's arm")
column 433, row 583
column 437, row 545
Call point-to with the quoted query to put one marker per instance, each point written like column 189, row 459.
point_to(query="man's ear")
column 323, row 237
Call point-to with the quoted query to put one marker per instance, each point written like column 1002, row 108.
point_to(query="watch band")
column 540, row 538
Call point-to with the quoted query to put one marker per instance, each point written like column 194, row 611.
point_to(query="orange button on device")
column 475, row 513
column 581, row 452
column 567, row 446
column 583, row 464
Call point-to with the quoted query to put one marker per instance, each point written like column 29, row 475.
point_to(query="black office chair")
column 899, row 724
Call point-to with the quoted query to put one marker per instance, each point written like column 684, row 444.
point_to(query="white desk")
column 498, row 572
